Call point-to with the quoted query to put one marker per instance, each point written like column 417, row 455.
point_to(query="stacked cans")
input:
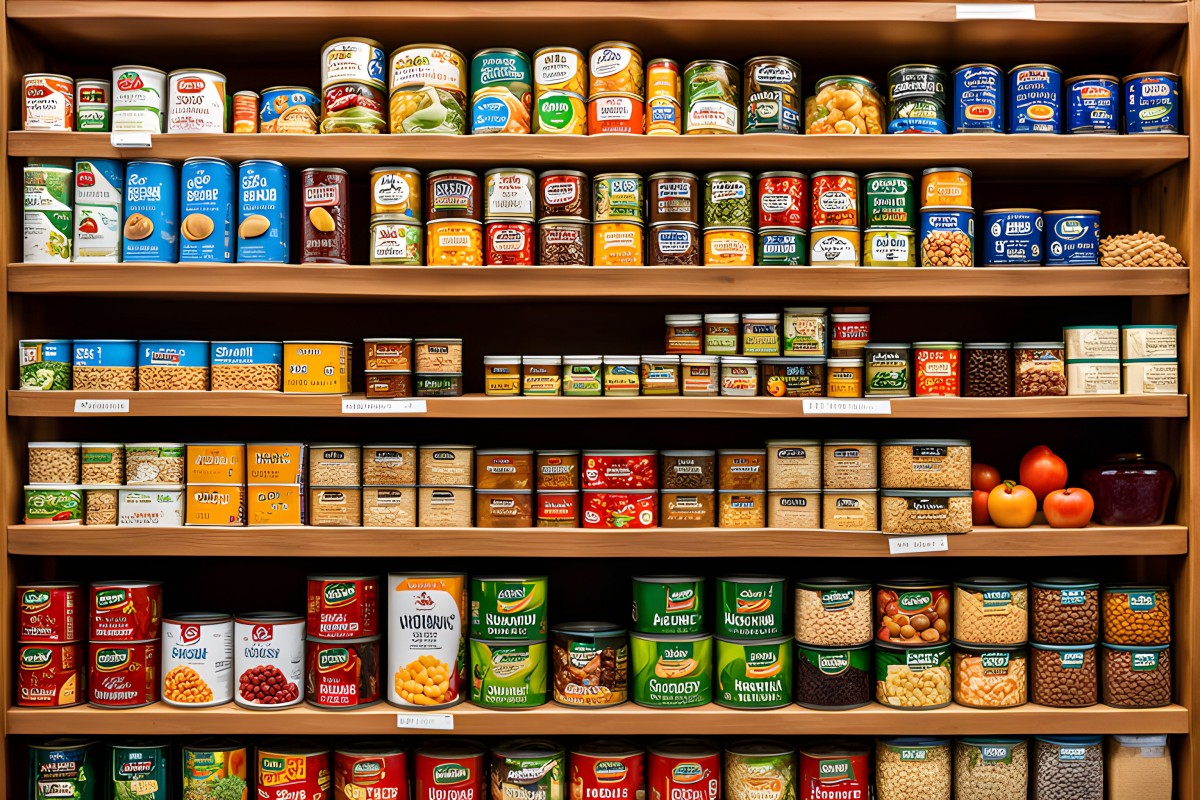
column 453, row 210
column 783, row 214
column 99, row 200
column 508, row 643
column 729, row 219
column 501, row 83
column 48, row 217
column 396, row 232
column 618, row 211
column 560, row 91
column 617, row 89
column 673, row 199
column 564, row 208
column 835, row 239
column 508, row 214
column 216, row 484
column 342, row 646
column 275, row 492
column 352, row 87
column 50, row 654
column 947, row 218
column 888, row 208
column 124, row 643
column 197, row 660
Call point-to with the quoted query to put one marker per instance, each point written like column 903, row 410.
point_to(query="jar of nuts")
column 989, row 768
column 1064, row 676
column 1068, row 768
column 1065, row 611
column 912, row 768
column 1136, row 676
column 1137, row 614
column 913, row 612
column 987, row 369
column 991, row 611
column 1039, row 369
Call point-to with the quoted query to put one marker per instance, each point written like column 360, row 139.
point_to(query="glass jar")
column 685, row 334
column 1065, row 611
column 987, row 369
column 700, row 376
column 1135, row 676
column 660, row 375
column 621, row 376
column 1039, row 369
column 990, row 676
column 760, row 334
column 844, row 377
column 721, row 334
column 1130, row 490
column 987, row 767
column 581, row 376
column 907, row 767
column 887, row 370
column 1064, row 676
column 1068, row 766
column 1138, row 768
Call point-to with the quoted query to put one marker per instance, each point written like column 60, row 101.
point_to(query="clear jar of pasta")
column 845, row 104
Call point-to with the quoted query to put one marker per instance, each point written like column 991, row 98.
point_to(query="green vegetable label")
column 62, row 770
column 754, row 675
column 889, row 200
column 671, row 671
column 139, row 773
column 727, row 201
column 668, row 607
column 509, row 609
column 214, row 774
column 750, row 609
column 508, row 675
column 46, row 365
column 44, row 506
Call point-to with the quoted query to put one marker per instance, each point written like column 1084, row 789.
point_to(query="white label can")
column 426, row 658
column 268, row 659
column 97, row 233
column 197, row 101
column 139, row 98
column 197, row 660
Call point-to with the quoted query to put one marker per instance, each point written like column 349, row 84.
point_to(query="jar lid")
column 501, row 359
column 720, row 317
column 1038, row 345
column 856, row 584
column 738, row 360
column 683, row 319
column 577, row 360
column 984, row 741
column 926, row 493
column 915, row 742
column 622, row 359
column 926, row 442
column 1137, row 648
column 933, row 170
column 55, row 445
column 699, row 359
column 1065, row 583
column 989, row 648
column 989, row 583
column 987, row 345
column 887, row 346
column 807, row 361
column 840, row 362
column 541, row 360
column 664, row 359
column 1121, row 588
column 504, row 452
column 1123, row 327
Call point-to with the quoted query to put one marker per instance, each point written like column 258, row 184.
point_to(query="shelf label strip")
column 360, row 405
column 426, row 722
column 101, row 406
column 125, row 139
column 905, row 545
column 996, row 11
column 827, row 405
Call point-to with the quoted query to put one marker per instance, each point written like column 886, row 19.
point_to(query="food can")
column 263, row 228
column 834, row 199
column 888, row 200
column 618, row 197
column 245, row 112
column 671, row 671
column 151, row 230
column 292, row 770
column 372, row 770
column 1151, row 102
column 783, row 200
column 591, row 664
column 396, row 190
column 45, row 364
column 560, row 69
column 93, row 105
column 1093, row 104
column 750, row 607
column 49, row 102
column 563, row 194
column 673, row 197
column 616, row 66
column 343, row 606
column 427, row 639
column 663, row 98
column 937, row 367
column 1012, row 237
column 48, row 221
column 451, row 769
column 781, row 247
column 729, row 247
column 1034, row 99
column 978, row 99
column 502, row 84
column 618, row 244
column 353, row 107
column 560, row 112
column 947, row 236
column 197, row 660
column 123, row 674
column 418, row 73
column 564, row 243
column 1072, row 238
column 508, row 674
column 207, row 211
column 268, row 658
column 316, row 367
column 125, row 611
column 834, row 246
column 352, row 58
column 209, row 760
column 946, row 186
column 607, row 768
column 326, row 206
column 53, row 504
column 50, row 674
column 616, row 112
column 395, row 241
column 903, row 674
column 509, row 194
column 197, row 101
column 290, row 109
column 683, row 769
column 711, row 98
column 755, row 674
column 139, row 99
column 509, row 608
column 889, row 247
column 453, row 194
column 528, row 768
column 508, row 243
column 620, row 469
column 139, row 769
column 668, row 604
column 98, row 181
column 278, row 464
column 728, row 200
column 49, row 612
column 342, row 674
column 834, row 769
column 64, row 768
column 916, row 603
column 917, row 99
column 772, row 95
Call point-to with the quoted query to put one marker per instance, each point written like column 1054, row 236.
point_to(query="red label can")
column 342, row 673
column 607, row 770
column 370, row 771
column 564, row 193
column 937, row 369
column 833, row 770
column 50, row 675
column 125, row 611
column 783, row 200
column 343, row 606
column 294, row 771
column 509, row 243
column 453, row 194
column 616, row 113
column 620, row 470
column 834, row 198
column 604, row 508
column 683, row 769
column 449, row 771
column 123, row 675
column 558, row 509
column 326, row 223
column 49, row 612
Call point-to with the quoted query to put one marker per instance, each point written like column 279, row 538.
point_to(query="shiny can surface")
column 1012, row 237
column 502, row 91
column 1093, row 104
column 978, row 101
column 1072, row 238
column 151, row 230
column 1151, row 102
column 1034, row 99
column 207, row 211
column 263, row 218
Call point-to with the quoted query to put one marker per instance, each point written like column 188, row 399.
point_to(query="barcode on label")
column 101, row 406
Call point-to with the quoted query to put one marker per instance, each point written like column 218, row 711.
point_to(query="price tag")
column 101, row 406
column 129, row 139
column 833, row 405
column 361, row 405
column 996, row 11
column 426, row 722
column 905, row 545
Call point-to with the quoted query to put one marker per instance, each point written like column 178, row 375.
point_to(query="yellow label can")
column 212, row 504
column 316, row 367
column 223, row 464
column 275, row 505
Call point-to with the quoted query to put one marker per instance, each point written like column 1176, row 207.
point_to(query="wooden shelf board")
column 1007, row 156
column 161, row 719
column 501, row 284
column 308, row 542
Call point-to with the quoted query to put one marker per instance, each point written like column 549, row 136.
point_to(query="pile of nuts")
column 1139, row 249
column 1064, row 676
column 1137, row 615
column 1065, row 629
column 946, row 249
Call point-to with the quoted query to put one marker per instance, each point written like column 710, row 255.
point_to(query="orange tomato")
column 1012, row 505
column 1068, row 508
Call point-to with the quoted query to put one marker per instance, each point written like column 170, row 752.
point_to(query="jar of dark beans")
column 833, row 678
column 1068, row 768
column 1064, row 676
column 1065, row 611
column 986, row 369
column 1039, row 369
column 1136, row 676
column 564, row 243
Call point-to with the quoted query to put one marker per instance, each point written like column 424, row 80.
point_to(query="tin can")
column 889, row 247
column 454, row 243
column 668, row 604
column 750, row 606
column 352, row 58
column 206, row 211
column 562, row 69
column 616, row 66
column 834, row 246
column 783, row 200
column 275, row 505
column 343, row 606
column 937, row 368
column 947, row 236
column 671, row 671
column 1151, row 102
column 781, row 247
column 395, row 241
column 560, row 112
column 268, row 659
column 618, row 197
column 50, row 612
column 427, row 639
column 139, row 769
column 564, row 243
column 64, row 768
column 353, row 107
column 509, row 194
column 608, row 509
column 293, row 770
column 946, row 186
column 557, row 509
column 263, row 228
column 417, row 69
column 834, row 199
column 93, row 105
column 683, row 769
column 245, row 112
column 49, row 102
column 342, row 674
column 48, row 221
column 616, row 112
column 837, row 769
column 1034, row 99
column 675, row 244
column 139, row 99
column 151, row 229
column 210, row 760
column 50, row 674
column 564, row 193
column 289, row 109
column 97, row 233
column 673, row 197
column 509, row 608
column 370, row 771
column 45, row 364
column 754, row 674
column 729, row 247
column 663, row 116
column 772, row 95
column 508, row 674
column 450, row 769
column 197, row 660
column 325, row 201
column 978, row 99
column 888, row 200
column 316, row 367
column 1012, row 237
column 123, row 674
column 620, row 469
column 591, row 664
column 711, row 98
column 728, row 200
column 125, row 611
column 225, row 464
column 607, row 769
column 502, row 83
column 1072, row 238
column 396, row 190
column 453, row 194
column 1093, row 104
column 197, row 101
column 917, row 99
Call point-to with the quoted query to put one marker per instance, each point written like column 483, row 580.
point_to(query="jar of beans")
column 1064, row 676
column 1137, row 614
column 1065, row 611
column 912, row 768
column 1039, row 369
column 1137, row 676
column 987, row 371
column 989, row 767
column 1068, row 768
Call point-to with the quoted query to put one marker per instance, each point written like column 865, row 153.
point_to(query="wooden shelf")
column 1009, row 156
column 552, row 720
column 501, row 284
column 308, row 542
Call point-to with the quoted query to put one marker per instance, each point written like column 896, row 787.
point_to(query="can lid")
column 541, row 360
column 1065, row 583
column 55, row 445
column 916, row 742
column 926, row 442
column 963, row 170
column 1071, row 211
column 501, row 359
column 1071, row 741
column 588, row 628
column 622, row 359
column 758, row 748
column 969, row 584
column 987, row 346
column 1038, row 345
column 721, row 317
column 687, row 453
column 856, row 584
column 794, row 443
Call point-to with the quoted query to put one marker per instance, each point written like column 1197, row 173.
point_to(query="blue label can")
column 1152, row 102
column 206, row 208
column 106, row 353
column 289, row 109
column 151, row 212
column 787, row 247
column 978, row 99
column 1012, row 237
column 172, row 353
column 947, row 236
column 502, row 83
column 262, row 212
column 1093, row 104
column 1072, row 238
column 99, row 182
column 238, row 354
column 1034, row 99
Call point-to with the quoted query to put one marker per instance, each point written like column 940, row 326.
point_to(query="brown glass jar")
column 987, row 369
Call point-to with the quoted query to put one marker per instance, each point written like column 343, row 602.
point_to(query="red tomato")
column 1012, row 505
column 1042, row 471
column 979, row 508
column 1068, row 508
column 984, row 478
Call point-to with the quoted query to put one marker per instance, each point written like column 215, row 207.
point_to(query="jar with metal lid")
column 986, row 370
column 622, row 376
column 1039, row 369
column 541, row 375
column 886, row 368
column 844, row 377
column 721, row 334
column 700, row 376
column 660, row 375
column 739, row 376
column 1068, row 767
column 501, row 376
column 685, row 334
column 760, row 334
column 581, row 376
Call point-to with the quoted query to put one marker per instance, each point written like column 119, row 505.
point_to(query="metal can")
column 210, row 760
column 945, row 186
column 564, row 243
column 889, row 247
column 292, row 770
column 427, row 639
column 616, row 112
column 754, row 674
column 316, row 367
column 268, row 659
column 342, row 674
column 729, row 247
column 396, row 190
column 352, row 58
column 508, row 608
column 139, row 98
column 1072, row 238
column 139, row 769
column 978, row 99
column 263, row 224
column 509, row 194
column 834, row 246
column 675, row 244
column 353, row 107
column 48, row 220
column 450, row 769
column 326, row 224
column 245, row 112
column 49, row 102
column 454, row 243
column 508, row 674
column 917, row 99
column 560, row 112
column 370, row 771
column 453, row 194
column 122, row 674
column 947, row 236
column 607, row 769
column 396, row 241
column 750, row 606
column 1034, row 99
column 502, row 83
column 206, row 211
column 151, row 229
column 50, row 674
column 668, row 604
column 417, row 69
column 782, row 247
column 683, row 769
column 1093, row 104
column 49, row 612
column 616, row 66
column 783, row 200
column 840, row 769
column 591, row 664
column 289, row 109
column 197, row 660
column 1012, row 237
column 671, row 670
column 772, row 95
column 663, row 115
column 888, row 200
column 559, row 69
column 673, row 197
column 1151, row 102
column 125, row 611
column 728, row 200
column 564, row 193
column 343, row 606
column 711, row 98
column 936, row 365
column 93, row 105
column 834, row 199
column 197, row 101
column 508, row 243
column 64, row 768
column 618, row 197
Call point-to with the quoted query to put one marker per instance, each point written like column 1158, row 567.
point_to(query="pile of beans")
column 1066, row 611
column 1068, row 768
column 833, row 613
column 1064, row 676
column 991, row 769
column 1137, row 677
column 815, row 688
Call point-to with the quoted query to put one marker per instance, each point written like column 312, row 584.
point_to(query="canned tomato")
column 503, row 91
column 208, row 761
column 754, row 675
column 560, row 68
column 772, row 95
column 978, row 99
column 783, row 200
column 947, row 236
column 1072, row 238
column 557, row 508
column 834, row 199
column 197, row 101
column 888, row 200
column 352, row 58
column 946, row 186
column 426, row 642
column 673, row 197
column 607, row 770
column 343, row 606
column 663, row 116
column 782, row 247
column 1151, row 102
column 263, row 212
column 49, row 102
column 616, row 66
column 450, row 771
column 325, row 201
column 316, row 367
column 834, row 246
column 139, row 98
column 289, row 109
column 415, row 72
column 49, row 612
column 268, row 658
column 620, row 469
column 937, row 369
column 197, row 660
column 1012, row 237
column 750, row 606
column 293, row 771
column 683, row 769
column 629, row 508
column 1093, row 104
column 728, row 247
column 711, row 97
column 509, row 194
column 508, row 243
column 342, row 673
column 889, row 247
column 834, row 769
column 126, row 611
column 245, row 112
column 123, row 674
column 50, row 674
column 93, row 101
column 1034, row 99
column 563, row 243
column 370, row 771
column 453, row 194
column 508, row 608
column 668, row 604
column 560, row 112
column 616, row 113
column 618, row 244
column 396, row 190
column 917, row 99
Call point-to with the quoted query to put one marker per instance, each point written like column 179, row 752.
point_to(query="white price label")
column 101, row 406
column 361, row 405
column 426, row 722
column 904, row 545
column 129, row 139
column 833, row 405
column 996, row 11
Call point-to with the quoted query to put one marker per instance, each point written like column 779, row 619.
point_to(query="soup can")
column 50, row 612
column 1012, row 237
column 263, row 218
column 210, row 760
column 1093, row 104
column 834, row 198
column 683, row 768
column 781, row 247
column 450, row 769
column 51, row 674
column 326, row 224
column 616, row 112
column 834, row 769
column 353, row 107
column 509, row 194
column 353, row 58
column 245, row 112
column 783, row 200
column 138, row 765
column 1151, row 102
column 728, row 200
column 139, row 98
column 372, row 770
column 427, row 640
column 917, row 99
column 560, row 112
column 396, row 190
column 508, row 243
column 889, row 247
column 1034, row 99
column 563, row 69
column 978, row 100
column 207, row 210
column 502, row 84
column 197, row 101
column 834, row 246
column 453, row 194
column 342, row 674
column 151, row 230
column 415, row 71
column 663, row 116
column 750, row 606
column 49, row 102
column 711, row 98
column 343, row 606
column 1072, row 238
column 291, row 770
column 125, row 611
column 268, row 659
column 616, row 66
column 771, row 93
column 607, row 768
column 888, row 200
column 564, row 193
column 947, row 236
column 122, row 674
column 618, row 197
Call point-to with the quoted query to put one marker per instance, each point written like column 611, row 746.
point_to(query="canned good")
column 501, row 79
column 560, row 112
column 978, row 99
column 564, row 244
column 834, row 246
column 711, row 98
column 772, row 95
column 826, row 112
column 508, row 608
column 396, row 190
column 450, row 768
column 197, row 660
column 674, row 244
column 50, row 674
column 729, row 247
column 509, row 194
column 671, row 671
column 343, row 606
column 268, row 658
column 122, row 674
column 663, row 95
column 728, row 200
column 683, row 768
column 208, row 761
column 563, row 193
column 1151, row 102
column 560, row 68
column 395, row 241
column 917, row 99
column 292, row 770
column 316, row 367
column 197, row 101
column 342, row 674
column 616, row 66
column 508, row 243
column 834, row 199
column 1072, row 238
column 263, row 227
column 93, row 100
column 668, row 604
column 947, row 236
column 48, row 221
column 290, row 109
column 49, row 102
column 125, row 612
column 97, row 232
column 1034, row 99
column 1012, row 237
column 426, row 642
column 937, row 366
column 1093, row 104
column 370, row 771
column 834, row 766
column 889, row 247
column 352, row 58
column 64, row 765
column 417, row 73
column 206, row 211
column 750, row 606
column 591, row 664
column 618, row 197
column 352, row 107
column 782, row 247
column 754, row 675
column 453, row 194
column 557, row 509
column 49, row 612
column 325, row 201
column 245, row 112
column 617, row 244
column 209, row 504
column 607, row 766
column 616, row 113
column 151, row 229
column 139, row 99
column 136, row 767
column 673, row 197
column 888, row 200
column 783, row 200
column 454, row 243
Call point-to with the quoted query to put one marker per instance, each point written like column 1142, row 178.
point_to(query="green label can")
column 528, row 769
column 671, row 671
column 508, row 608
column 92, row 98
column 502, row 82
column 214, row 768
column 62, row 768
column 712, row 97
column 560, row 112
column 889, row 200
column 750, row 606
column 782, row 247
column 668, row 604
column 508, row 674
column 756, row 674
column 140, row 771
column 618, row 197
column 53, row 504
column 728, row 200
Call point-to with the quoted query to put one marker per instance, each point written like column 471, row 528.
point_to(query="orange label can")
column 618, row 244
column 274, row 505
column 216, row 463
column 245, row 112
column 946, row 186
column 616, row 113
column 215, row 504
column 316, row 367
